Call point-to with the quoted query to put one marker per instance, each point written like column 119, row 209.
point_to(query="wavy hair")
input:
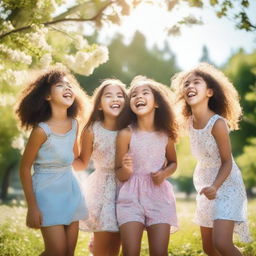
column 225, row 99
column 98, row 115
column 32, row 106
column 164, row 119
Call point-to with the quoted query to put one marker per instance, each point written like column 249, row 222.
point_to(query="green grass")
column 16, row 239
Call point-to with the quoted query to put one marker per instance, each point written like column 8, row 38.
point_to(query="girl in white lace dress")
column 212, row 108
column 99, row 143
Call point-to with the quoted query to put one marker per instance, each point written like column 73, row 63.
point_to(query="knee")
column 159, row 252
column 209, row 249
column 60, row 250
column 221, row 245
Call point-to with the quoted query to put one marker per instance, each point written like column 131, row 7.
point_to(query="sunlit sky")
column 219, row 35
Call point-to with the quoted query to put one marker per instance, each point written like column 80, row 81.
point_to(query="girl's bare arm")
column 82, row 161
column 123, row 160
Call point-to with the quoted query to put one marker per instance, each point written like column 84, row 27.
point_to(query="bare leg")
column 207, row 242
column 71, row 236
column 54, row 240
column 223, row 238
column 131, row 235
column 106, row 244
column 158, row 239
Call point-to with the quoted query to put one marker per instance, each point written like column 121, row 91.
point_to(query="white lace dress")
column 100, row 186
column 231, row 200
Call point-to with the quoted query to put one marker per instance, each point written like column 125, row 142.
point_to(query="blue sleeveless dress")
column 55, row 185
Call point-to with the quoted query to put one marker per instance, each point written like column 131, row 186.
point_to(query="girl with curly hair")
column 211, row 107
column 55, row 202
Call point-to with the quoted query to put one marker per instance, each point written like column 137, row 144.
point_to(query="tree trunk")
column 6, row 181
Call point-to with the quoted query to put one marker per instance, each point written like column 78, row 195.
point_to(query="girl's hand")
column 34, row 217
column 209, row 192
column 158, row 177
column 127, row 164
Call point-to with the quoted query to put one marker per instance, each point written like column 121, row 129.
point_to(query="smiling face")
column 112, row 100
column 195, row 90
column 142, row 100
column 62, row 93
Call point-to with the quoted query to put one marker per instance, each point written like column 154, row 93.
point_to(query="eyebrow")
column 63, row 82
column 110, row 93
column 143, row 90
column 194, row 79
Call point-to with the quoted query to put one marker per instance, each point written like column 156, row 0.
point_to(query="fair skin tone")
column 59, row 239
column 217, row 240
column 143, row 105
column 111, row 103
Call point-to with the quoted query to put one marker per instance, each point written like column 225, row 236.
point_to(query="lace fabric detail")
column 100, row 186
column 205, row 150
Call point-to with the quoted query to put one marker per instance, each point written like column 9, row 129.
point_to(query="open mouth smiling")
column 67, row 95
column 140, row 104
column 115, row 106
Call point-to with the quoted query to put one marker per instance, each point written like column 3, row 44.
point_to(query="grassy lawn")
column 16, row 239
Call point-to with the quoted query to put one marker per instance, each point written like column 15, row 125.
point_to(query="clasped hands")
column 157, row 177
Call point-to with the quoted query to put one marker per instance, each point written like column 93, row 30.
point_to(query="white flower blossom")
column 7, row 26
column 84, row 63
column 80, row 42
column 100, row 55
column 81, row 58
column 16, row 56
column 15, row 77
column 46, row 60
column 38, row 39
column 42, row 3
column 6, row 100
column 18, row 143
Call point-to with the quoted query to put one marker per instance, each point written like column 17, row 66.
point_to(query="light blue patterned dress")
column 55, row 185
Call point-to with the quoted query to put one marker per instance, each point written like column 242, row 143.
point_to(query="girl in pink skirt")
column 145, row 158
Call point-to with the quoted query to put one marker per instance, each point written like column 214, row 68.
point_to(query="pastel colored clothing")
column 55, row 185
column 139, row 199
column 231, row 201
column 100, row 186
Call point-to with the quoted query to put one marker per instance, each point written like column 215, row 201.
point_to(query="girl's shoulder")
column 216, row 120
column 44, row 128
column 125, row 133
column 219, row 123
column 38, row 134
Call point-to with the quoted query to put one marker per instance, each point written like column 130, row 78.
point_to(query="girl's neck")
column 201, row 116
column 146, row 123
column 59, row 115
column 110, row 123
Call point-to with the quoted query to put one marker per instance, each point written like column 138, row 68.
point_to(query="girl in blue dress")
column 55, row 202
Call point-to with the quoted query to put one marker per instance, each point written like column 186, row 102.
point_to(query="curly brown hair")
column 164, row 120
column 225, row 99
column 98, row 115
column 32, row 106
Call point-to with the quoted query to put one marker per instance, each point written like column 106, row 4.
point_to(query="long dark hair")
column 98, row 115
column 33, row 108
column 164, row 120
